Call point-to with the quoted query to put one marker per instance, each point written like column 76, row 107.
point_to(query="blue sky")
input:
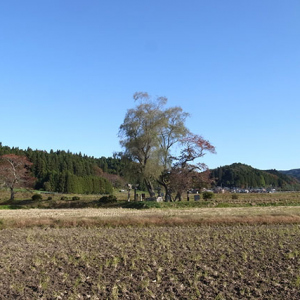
column 68, row 70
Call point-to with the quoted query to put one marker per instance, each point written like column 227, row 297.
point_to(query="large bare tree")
column 185, row 172
column 150, row 133
column 15, row 172
column 139, row 135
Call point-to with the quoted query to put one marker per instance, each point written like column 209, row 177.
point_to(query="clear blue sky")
column 69, row 68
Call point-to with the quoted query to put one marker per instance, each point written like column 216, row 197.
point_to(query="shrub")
column 207, row 195
column 75, row 198
column 64, row 198
column 49, row 198
column 108, row 199
column 234, row 196
column 142, row 204
column 37, row 197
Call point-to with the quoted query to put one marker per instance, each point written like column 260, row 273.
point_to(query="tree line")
column 244, row 176
column 66, row 172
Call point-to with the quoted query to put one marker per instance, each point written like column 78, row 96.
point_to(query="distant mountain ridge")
column 244, row 176
column 294, row 173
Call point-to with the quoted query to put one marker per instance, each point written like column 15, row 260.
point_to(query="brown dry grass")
column 153, row 217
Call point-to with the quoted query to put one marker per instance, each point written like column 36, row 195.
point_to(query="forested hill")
column 65, row 172
column 244, row 176
column 294, row 173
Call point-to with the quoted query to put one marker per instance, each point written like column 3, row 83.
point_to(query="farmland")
column 173, row 252
column 162, row 262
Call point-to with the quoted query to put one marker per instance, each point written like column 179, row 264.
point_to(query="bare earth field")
column 154, row 262
column 198, row 253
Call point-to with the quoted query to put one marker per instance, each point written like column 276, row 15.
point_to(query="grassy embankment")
column 275, row 208
column 54, row 200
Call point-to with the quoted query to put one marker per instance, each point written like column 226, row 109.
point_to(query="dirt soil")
column 210, row 262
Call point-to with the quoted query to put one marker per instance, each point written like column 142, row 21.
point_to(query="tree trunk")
column 12, row 194
column 149, row 188
column 178, row 196
column 168, row 196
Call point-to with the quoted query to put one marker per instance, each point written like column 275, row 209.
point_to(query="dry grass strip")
column 154, row 217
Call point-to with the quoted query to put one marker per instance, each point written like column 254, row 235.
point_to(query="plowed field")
column 198, row 262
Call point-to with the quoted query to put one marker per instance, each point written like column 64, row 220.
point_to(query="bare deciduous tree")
column 149, row 134
column 185, row 173
column 15, row 172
